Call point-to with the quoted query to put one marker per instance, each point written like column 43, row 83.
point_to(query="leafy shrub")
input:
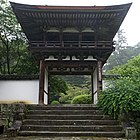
column 82, row 99
column 55, row 102
column 123, row 96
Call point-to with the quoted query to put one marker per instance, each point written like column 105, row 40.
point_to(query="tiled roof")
column 36, row 77
column 36, row 19
column 19, row 77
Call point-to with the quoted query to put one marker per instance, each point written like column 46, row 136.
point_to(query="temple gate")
column 70, row 40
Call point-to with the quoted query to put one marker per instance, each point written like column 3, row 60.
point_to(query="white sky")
column 131, row 24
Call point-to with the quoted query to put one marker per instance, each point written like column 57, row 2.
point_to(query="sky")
column 131, row 24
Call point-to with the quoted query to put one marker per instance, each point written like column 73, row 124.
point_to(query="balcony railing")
column 71, row 44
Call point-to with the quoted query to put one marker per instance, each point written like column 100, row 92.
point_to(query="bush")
column 123, row 96
column 71, row 93
column 82, row 99
column 55, row 102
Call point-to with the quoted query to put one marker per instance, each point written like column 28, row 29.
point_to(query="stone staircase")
column 69, row 120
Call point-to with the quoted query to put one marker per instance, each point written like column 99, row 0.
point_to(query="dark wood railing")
column 71, row 44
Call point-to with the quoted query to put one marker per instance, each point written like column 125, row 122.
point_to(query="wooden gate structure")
column 70, row 40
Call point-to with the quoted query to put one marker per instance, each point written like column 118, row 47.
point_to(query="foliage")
column 27, row 64
column 78, row 80
column 77, row 85
column 82, row 99
column 120, row 97
column 131, row 69
column 14, row 57
column 55, row 103
column 57, row 86
column 71, row 93
column 123, row 95
column 10, row 33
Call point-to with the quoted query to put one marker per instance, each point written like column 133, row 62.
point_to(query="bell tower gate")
column 70, row 40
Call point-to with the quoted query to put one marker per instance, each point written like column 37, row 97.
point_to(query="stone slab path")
column 59, row 138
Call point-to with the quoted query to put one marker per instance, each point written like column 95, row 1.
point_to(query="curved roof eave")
column 106, row 20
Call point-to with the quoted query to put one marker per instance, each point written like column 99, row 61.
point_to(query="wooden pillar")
column 99, row 71
column 46, row 86
column 41, row 82
column 92, row 88
column 95, row 86
column 96, row 81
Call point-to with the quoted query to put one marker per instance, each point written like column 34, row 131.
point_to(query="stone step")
column 70, row 122
column 117, row 134
column 63, row 107
column 68, row 117
column 66, row 112
column 71, row 128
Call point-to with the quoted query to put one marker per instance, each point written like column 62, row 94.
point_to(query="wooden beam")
column 70, row 73
column 70, row 63
column 41, row 82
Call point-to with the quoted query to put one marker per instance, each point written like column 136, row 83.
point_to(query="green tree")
column 57, row 87
column 14, row 57
column 10, row 32
column 77, row 80
column 27, row 64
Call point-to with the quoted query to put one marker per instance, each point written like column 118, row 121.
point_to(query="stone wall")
column 10, row 113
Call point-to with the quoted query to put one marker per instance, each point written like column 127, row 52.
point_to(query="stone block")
column 130, row 133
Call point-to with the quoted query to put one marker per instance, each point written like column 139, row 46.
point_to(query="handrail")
column 70, row 44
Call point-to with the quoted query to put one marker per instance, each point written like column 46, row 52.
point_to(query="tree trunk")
column 7, row 59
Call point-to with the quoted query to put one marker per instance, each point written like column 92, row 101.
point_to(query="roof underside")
column 101, row 21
